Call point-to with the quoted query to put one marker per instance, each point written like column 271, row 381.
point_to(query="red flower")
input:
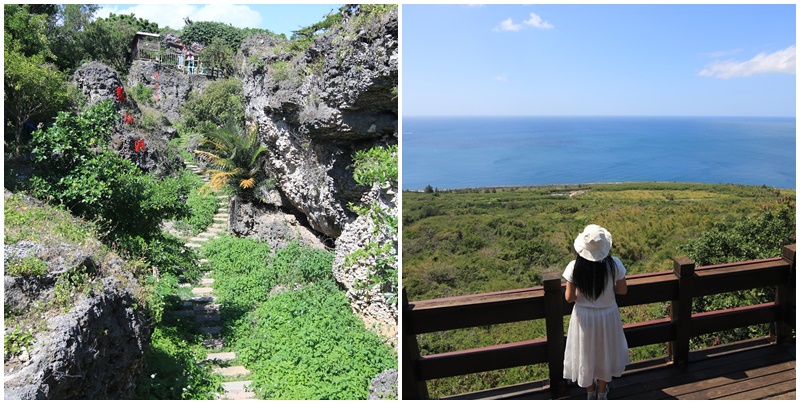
column 138, row 145
column 121, row 94
column 127, row 117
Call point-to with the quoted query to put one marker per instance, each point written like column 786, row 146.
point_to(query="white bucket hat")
column 594, row 243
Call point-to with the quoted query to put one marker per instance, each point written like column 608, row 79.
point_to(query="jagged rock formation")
column 95, row 350
column 98, row 83
column 313, row 110
column 171, row 87
column 269, row 223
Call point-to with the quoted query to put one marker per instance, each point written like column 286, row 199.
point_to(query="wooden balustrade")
column 547, row 302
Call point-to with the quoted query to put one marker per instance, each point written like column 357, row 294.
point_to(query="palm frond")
column 247, row 183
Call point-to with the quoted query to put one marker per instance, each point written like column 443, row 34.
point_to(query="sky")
column 278, row 18
column 598, row 60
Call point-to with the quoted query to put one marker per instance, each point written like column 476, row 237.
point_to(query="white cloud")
column 501, row 78
column 172, row 15
column 240, row 16
column 537, row 22
column 782, row 61
column 508, row 25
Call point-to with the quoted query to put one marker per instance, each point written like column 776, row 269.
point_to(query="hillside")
column 479, row 240
column 159, row 143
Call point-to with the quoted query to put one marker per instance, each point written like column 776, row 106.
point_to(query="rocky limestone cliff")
column 98, row 83
column 313, row 110
column 171, row 87
column 87, row 328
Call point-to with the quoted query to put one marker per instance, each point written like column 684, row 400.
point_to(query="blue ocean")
column 465, row 152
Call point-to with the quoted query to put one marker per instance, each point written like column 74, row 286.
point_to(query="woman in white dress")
column 596, row 347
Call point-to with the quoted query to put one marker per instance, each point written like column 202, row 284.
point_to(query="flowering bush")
column 138, row 145
column 127, row 117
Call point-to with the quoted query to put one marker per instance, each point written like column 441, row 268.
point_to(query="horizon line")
column 599, row 116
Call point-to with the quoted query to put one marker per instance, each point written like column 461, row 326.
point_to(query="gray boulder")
column 95, row 350
column 384, row 386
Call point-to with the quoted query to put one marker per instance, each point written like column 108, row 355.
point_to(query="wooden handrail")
column 678, row 287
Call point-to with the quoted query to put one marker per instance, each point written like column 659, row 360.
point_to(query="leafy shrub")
column 240, row 278
column 244, row 272
column 163, row 251
column 306, row 344
column 142, row 94
column 203, row 206
column 74, row 168
column 176, row 369
column 748, row 238
column 378, row 165
column 220, row 103
column 28, row 266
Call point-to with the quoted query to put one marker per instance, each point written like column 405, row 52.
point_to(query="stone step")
column 208, row 234
column 207, row 318
column 206, row 308
column 206, row 281
column 202, row 299
column 184, row 313
column 236, row 387
column 247, row 395
column 214, row 343
column 221, row 356
column 232, row 371
column 202, row 291
column 192, row 245
column 203, row 261
column 198, row 239
column 212, row 329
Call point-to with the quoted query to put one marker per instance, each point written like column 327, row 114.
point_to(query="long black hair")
column 590, row 277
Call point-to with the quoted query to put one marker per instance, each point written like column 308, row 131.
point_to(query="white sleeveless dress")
column 596, row 346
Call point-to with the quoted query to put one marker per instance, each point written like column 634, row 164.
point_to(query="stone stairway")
column 206, row 312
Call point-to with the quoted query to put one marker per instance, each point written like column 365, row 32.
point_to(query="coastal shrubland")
column 470, row 241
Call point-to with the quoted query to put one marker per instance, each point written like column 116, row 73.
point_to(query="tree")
column 26, row 32
column 220, row 103
column 108, row 40
column 66, row 31
column 33, row 89
column 218, row 55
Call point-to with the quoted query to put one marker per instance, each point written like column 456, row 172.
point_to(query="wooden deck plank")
column 745, row 370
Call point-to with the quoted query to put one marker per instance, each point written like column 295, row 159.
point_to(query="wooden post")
column 785, row 299
column 554, row 320
column 681, row 311
column 412, row 389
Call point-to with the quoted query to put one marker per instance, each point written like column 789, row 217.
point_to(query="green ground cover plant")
column 480, row 240
column 290, row 324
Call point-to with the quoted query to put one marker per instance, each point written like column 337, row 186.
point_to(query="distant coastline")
column 578, row 186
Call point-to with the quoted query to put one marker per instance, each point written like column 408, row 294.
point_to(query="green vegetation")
column 480, row 240
column 106, row 204
column 378, row 166
column 100, row 185
column 290, row 324
column 237, row 159
column 220, row 104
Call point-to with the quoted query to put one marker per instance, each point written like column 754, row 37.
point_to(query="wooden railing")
column 172, row 59
column 547, row 302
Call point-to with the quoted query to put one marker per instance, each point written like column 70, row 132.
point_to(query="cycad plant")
column 235, row 157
